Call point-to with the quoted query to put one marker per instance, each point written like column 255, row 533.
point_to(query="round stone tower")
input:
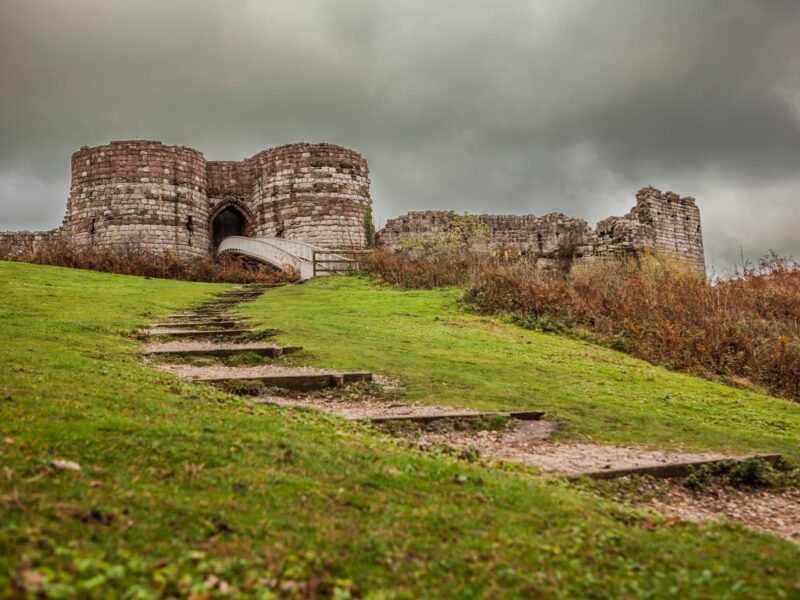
column 314, row 193
column 139, row 194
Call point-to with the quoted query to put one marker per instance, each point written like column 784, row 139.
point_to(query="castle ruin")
column 170, row 198
column 664, row 223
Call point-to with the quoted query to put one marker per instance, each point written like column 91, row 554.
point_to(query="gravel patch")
column 179, row 346
column 776, row 512
column 180, row 330
column 364, row 408
column 526, row 442
column 222, row 372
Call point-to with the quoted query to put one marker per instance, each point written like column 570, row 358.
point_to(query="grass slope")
column 185, row 490
column 445, row 355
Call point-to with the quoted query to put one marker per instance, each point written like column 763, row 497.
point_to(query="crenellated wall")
column 663, row 222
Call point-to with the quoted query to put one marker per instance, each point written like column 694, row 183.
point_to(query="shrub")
column 440, row 261
column 745, row 328
column 137, row 260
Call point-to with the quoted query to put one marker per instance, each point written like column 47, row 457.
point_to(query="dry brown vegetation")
column 744, row 328
column 136, row 260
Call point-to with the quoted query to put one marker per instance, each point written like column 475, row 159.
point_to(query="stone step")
column 269, row 351
column 199, row 333
column 220, row 323
column 526, row 415
column 231, row 299
column 217, row 306
column 202, row 317
column 676, row 470
column 300, row 382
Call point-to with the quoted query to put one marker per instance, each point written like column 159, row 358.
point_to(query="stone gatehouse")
column 170, row 198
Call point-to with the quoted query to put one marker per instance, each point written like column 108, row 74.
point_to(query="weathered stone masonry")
column 664, row 223
column 165, row 198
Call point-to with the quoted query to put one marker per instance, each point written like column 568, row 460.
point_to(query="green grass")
column 445, row 355
column 182, row 487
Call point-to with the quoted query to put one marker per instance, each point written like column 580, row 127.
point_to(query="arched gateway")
column 227, row 223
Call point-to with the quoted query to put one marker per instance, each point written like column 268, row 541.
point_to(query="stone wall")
column 230, row 183
column 544, row 235
column 19, row 243
column 663, row 222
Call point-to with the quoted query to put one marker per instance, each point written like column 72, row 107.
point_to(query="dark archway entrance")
column 227, row 223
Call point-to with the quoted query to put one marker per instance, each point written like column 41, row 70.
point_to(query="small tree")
column 369, row 228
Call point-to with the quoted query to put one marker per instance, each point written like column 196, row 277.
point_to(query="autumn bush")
column 745, row 328
column 436, row 261
column 134, row 259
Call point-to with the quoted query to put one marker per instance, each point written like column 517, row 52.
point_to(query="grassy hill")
column 183, row 489
column 445, row 355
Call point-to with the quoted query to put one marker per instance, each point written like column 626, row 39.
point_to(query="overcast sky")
column 499, row 106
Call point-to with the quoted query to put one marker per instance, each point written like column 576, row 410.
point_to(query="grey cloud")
column 504, row 106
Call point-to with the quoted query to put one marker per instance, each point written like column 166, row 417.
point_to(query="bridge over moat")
column 308, row 260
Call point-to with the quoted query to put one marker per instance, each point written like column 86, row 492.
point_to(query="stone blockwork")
column 545, row 235
column 313, row 193
column 662, row 222
column 165, row 198
column 18, row 243
column 139, row 193
column 665, row 222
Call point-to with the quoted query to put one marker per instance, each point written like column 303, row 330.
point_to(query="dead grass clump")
column 411, row 272
column 134, row 259
column 744, row 328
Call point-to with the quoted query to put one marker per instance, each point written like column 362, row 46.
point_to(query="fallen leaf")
column 65, row 465
column 9, row 440
column 32, row 581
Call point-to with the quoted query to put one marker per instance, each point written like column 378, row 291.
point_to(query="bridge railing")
column 339, row 260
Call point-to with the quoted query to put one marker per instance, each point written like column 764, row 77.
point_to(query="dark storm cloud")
column 501, row 106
